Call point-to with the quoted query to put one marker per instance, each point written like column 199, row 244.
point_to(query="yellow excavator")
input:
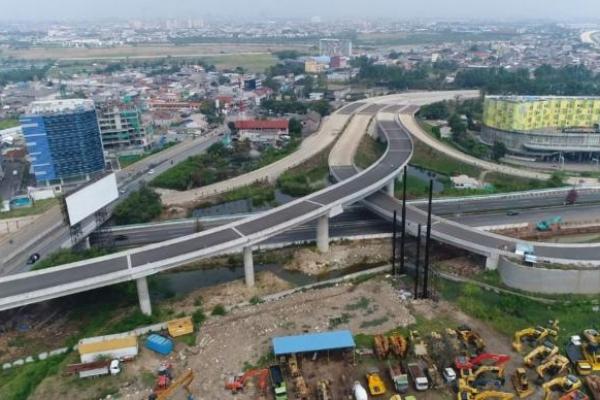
column 536, row 335
column 554, row 365
column 468, row 338
column 498, row 371
column 467, row 392
column 543, row 352
column 521, row 383
column 564, row 384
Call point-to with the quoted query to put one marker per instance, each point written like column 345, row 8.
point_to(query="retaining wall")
column 549, row 281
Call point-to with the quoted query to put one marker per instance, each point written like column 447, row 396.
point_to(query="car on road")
column 151, row 172
column 511, row 213
column 120, row 238
column 33, row 258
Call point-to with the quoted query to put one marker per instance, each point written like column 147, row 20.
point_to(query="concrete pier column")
column 390, row 188
column 323, row 233
column 491, row 262
column 144, row 296
column 86, row 243
column 248, row 266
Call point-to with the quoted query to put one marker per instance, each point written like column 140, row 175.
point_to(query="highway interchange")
column 137, row 263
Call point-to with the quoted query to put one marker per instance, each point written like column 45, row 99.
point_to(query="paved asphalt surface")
column 275, row 221
column 129, row 180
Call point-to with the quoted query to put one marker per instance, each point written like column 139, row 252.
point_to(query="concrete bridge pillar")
column 248, row 266
column 491, row 262
column 323, row 233
column 144, row 296
column 390, row 188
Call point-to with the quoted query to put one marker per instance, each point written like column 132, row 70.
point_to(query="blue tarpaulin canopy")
column 313, row 342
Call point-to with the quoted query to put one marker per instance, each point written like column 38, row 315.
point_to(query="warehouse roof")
column 262, row 124
column 313, row 342
column 108, row 345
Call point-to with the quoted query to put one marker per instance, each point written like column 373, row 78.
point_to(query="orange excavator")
column 237, row 383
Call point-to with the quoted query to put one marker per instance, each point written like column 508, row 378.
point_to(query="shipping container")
column 159, row 344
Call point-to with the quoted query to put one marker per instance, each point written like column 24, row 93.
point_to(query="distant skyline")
column 398, row 9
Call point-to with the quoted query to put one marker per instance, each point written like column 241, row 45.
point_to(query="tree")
column 498, row 150
column 437, row 110
column 556, row 179
column 295, row 126
column 141, row 206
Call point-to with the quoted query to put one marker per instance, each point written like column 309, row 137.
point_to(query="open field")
column 252, row 56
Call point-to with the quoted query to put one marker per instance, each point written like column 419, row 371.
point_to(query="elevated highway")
column 353, row 186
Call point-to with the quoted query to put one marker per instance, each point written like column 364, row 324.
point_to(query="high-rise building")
column 63, row 139
column 544, row 126
column 120, row 126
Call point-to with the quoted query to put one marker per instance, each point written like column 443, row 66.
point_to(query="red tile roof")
column 262, row 124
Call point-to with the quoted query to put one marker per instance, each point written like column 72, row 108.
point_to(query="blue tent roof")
column 313, row 342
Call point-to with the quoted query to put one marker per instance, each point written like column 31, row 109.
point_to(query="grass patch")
column 341, row 320
column 369, row 150
column 361, row 304
column 9, row 123
column 19, row 383
column 39, row 207
column 427, row 158
column 308, row 177
column 219, row 310
column 374, row 322
column 507, row 313
column 259, row 194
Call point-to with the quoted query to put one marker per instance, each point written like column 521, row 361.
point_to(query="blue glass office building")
column 63, row 139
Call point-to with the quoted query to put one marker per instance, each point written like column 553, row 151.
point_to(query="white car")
column 576, row 340
column 115, row 367
column 449, row 375
column 151, row 172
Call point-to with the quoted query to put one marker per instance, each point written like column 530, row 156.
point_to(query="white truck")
column 418, row 377
column 94, row 369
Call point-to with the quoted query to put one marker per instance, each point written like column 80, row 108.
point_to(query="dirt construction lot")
column 241, row 340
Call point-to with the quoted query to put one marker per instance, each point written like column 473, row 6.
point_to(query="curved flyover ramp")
column 31, row 287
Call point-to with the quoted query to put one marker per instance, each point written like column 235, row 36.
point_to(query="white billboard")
column 91, row 198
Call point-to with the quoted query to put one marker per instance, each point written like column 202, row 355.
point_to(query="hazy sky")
column 401, row 9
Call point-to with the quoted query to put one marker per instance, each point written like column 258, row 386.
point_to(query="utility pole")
column 402, row 239
column 427, row 243
column 418, row 257
column 394, row 244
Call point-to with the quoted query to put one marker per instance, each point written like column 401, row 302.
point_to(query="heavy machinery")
column 534, row 335
column 565, row 384
column 540, row 353
column 238, row 383
column 375, row 383
column 584, row 352
column 324, row 390
column 164, row 393
column 301, row 389
column 521, row 383
column 467, row 392
column 553, row 366
column 593, row 384
column 481, row 377
column 399, row 377
column 381, row 346
column 547, row 224
column 398, row 345
column 278, row 383
column 470, row 339
column 575, row 395
column 417, row 344
column 463, row 362
column 293, row 366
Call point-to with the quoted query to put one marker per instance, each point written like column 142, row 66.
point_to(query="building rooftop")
column 60, row 106
column 522, row 99
column 311, row 342
column 262, row 124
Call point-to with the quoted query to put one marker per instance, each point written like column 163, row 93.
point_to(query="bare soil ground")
column 312, row 262
column 241, row 339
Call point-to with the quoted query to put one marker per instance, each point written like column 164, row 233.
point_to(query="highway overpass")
column 353, row 186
